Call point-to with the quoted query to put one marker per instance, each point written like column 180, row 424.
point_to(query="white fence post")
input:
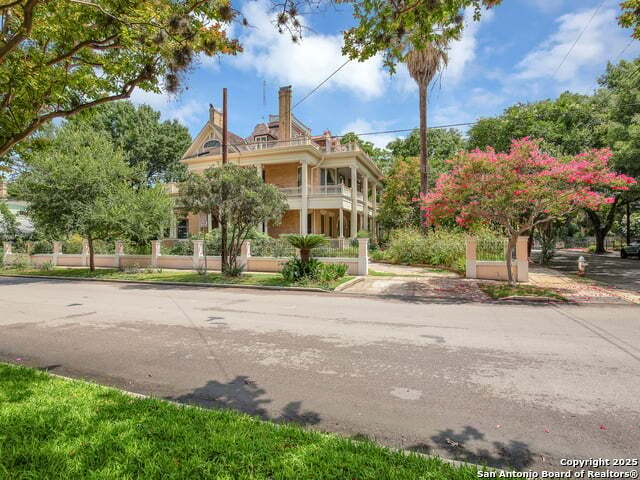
column 155, row 252
column 6, row 246
column 522, row 259
column 245, row 253
column 57, row 250
column 118, row 253
column 85, row 252
column 363, row 256
column 471, row 244
column 198, row 249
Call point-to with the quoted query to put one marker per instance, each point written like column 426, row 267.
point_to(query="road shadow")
column 510, row 454
column 245, row 395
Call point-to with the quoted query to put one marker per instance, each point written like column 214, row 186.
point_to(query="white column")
column 85, row 252
column 173, row 227
column 470, row 267
column 245, row 253
column 304, row 199
column 118, row 253
column 209, row 222
column 198, row 254
column 365, row 197
column 57, row 250
column 363, row 256
column 354, row 201
column 155, row 253
column 341, row 223
column 374, row 218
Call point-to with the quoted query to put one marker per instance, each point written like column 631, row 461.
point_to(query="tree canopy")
column 146, row 142
column 379, row 155
column 82, row 185
column 521, row 189
column 60, row 57
column 235, row 195
column 402, row 183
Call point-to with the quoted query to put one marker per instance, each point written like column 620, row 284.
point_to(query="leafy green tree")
column 379, row 155
column 238, row 196
column 145, row 141
column 82, row 185
column 397, row 207
column 60, row 57
column 8, row 223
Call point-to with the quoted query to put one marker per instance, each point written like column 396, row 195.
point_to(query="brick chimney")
column 284, row 113
column 215, row 117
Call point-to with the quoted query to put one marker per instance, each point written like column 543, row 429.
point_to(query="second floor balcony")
column 322, row 191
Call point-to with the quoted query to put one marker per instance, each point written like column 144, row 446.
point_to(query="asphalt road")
column 519, row 386
column 609, row 268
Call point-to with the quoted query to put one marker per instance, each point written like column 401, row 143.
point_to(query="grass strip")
column 52, row 427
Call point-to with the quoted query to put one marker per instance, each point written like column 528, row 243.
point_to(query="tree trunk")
column 223, row 244
column 600, row 227
column 628, row 223
column 92, row 263
column 424, row 143
column 304, row 255
column 601, row 234
column 511, row 246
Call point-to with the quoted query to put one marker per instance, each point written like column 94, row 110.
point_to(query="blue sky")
column 512, row 55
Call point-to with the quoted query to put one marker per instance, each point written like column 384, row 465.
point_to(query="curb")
column 345, row 285
column 535, row 299
column 176, row 284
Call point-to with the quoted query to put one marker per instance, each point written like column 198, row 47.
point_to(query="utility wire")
column 320, row 84
column 578, row 38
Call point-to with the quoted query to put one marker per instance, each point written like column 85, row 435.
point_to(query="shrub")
column 46, row 266
column 295, row 269
column 41, row 246
column 72, row 245
column 234, row 270
column 181, row 247
column 331, row 271
column 377, row 255
column 439, row 248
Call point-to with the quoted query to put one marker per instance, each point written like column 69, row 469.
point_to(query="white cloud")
column 601, row 41
column 187, row 113
column 360, row 125
column 304, row 64
column 548, row 6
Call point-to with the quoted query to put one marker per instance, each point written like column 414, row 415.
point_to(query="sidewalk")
column 579, row 290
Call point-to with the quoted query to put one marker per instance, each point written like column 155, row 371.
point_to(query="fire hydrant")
column 582, row 266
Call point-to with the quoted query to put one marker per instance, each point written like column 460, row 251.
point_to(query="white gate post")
column 155, row 252
column 522, row 259
column 57, row 250
column 6, row 246
column 245, row 253
column 198, row 250
column 471, row 244
column 118, row 253
column 85, row 252
column 363, row 256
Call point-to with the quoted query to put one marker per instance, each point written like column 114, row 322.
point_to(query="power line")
column 321, row 83
column 578, row 38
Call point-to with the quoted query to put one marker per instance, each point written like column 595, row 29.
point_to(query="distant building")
column 332, row 189
column 16, row 207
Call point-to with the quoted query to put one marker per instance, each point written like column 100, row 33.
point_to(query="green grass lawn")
column 249, row 279
column 502, row 290
column 66, row 429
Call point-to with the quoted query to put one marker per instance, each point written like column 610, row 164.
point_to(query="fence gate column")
column 245, row 253
column 155, row 253
column 522, row 259
column 363, row 256
column 6, row 246
column 57, row 250
column 85, row 252
column 119, row 254
column 470, row 266
column 198, row 254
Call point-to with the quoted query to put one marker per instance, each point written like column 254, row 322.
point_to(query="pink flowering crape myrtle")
column 520, row 189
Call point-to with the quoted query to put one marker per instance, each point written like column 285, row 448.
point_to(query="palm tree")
column 305, row 243
column 423, row 64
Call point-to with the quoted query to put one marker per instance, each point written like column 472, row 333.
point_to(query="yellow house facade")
column 331, row 188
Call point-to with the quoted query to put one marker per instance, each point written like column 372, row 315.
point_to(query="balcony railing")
column 279, row 143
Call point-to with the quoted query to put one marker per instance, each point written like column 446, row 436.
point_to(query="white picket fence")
column 356, row 265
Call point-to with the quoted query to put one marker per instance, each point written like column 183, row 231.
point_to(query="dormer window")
column 261, row 138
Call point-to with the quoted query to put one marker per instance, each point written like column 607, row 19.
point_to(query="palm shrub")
column 306, row 243
column 296, row 269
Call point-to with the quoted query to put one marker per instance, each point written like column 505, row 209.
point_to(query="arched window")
column 211, row 144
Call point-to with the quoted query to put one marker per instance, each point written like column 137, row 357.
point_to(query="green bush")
column 295, row 269
column 72, row 245
column 181, row 247
column 41, row 246
column 439, row 248
column 331, row 271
